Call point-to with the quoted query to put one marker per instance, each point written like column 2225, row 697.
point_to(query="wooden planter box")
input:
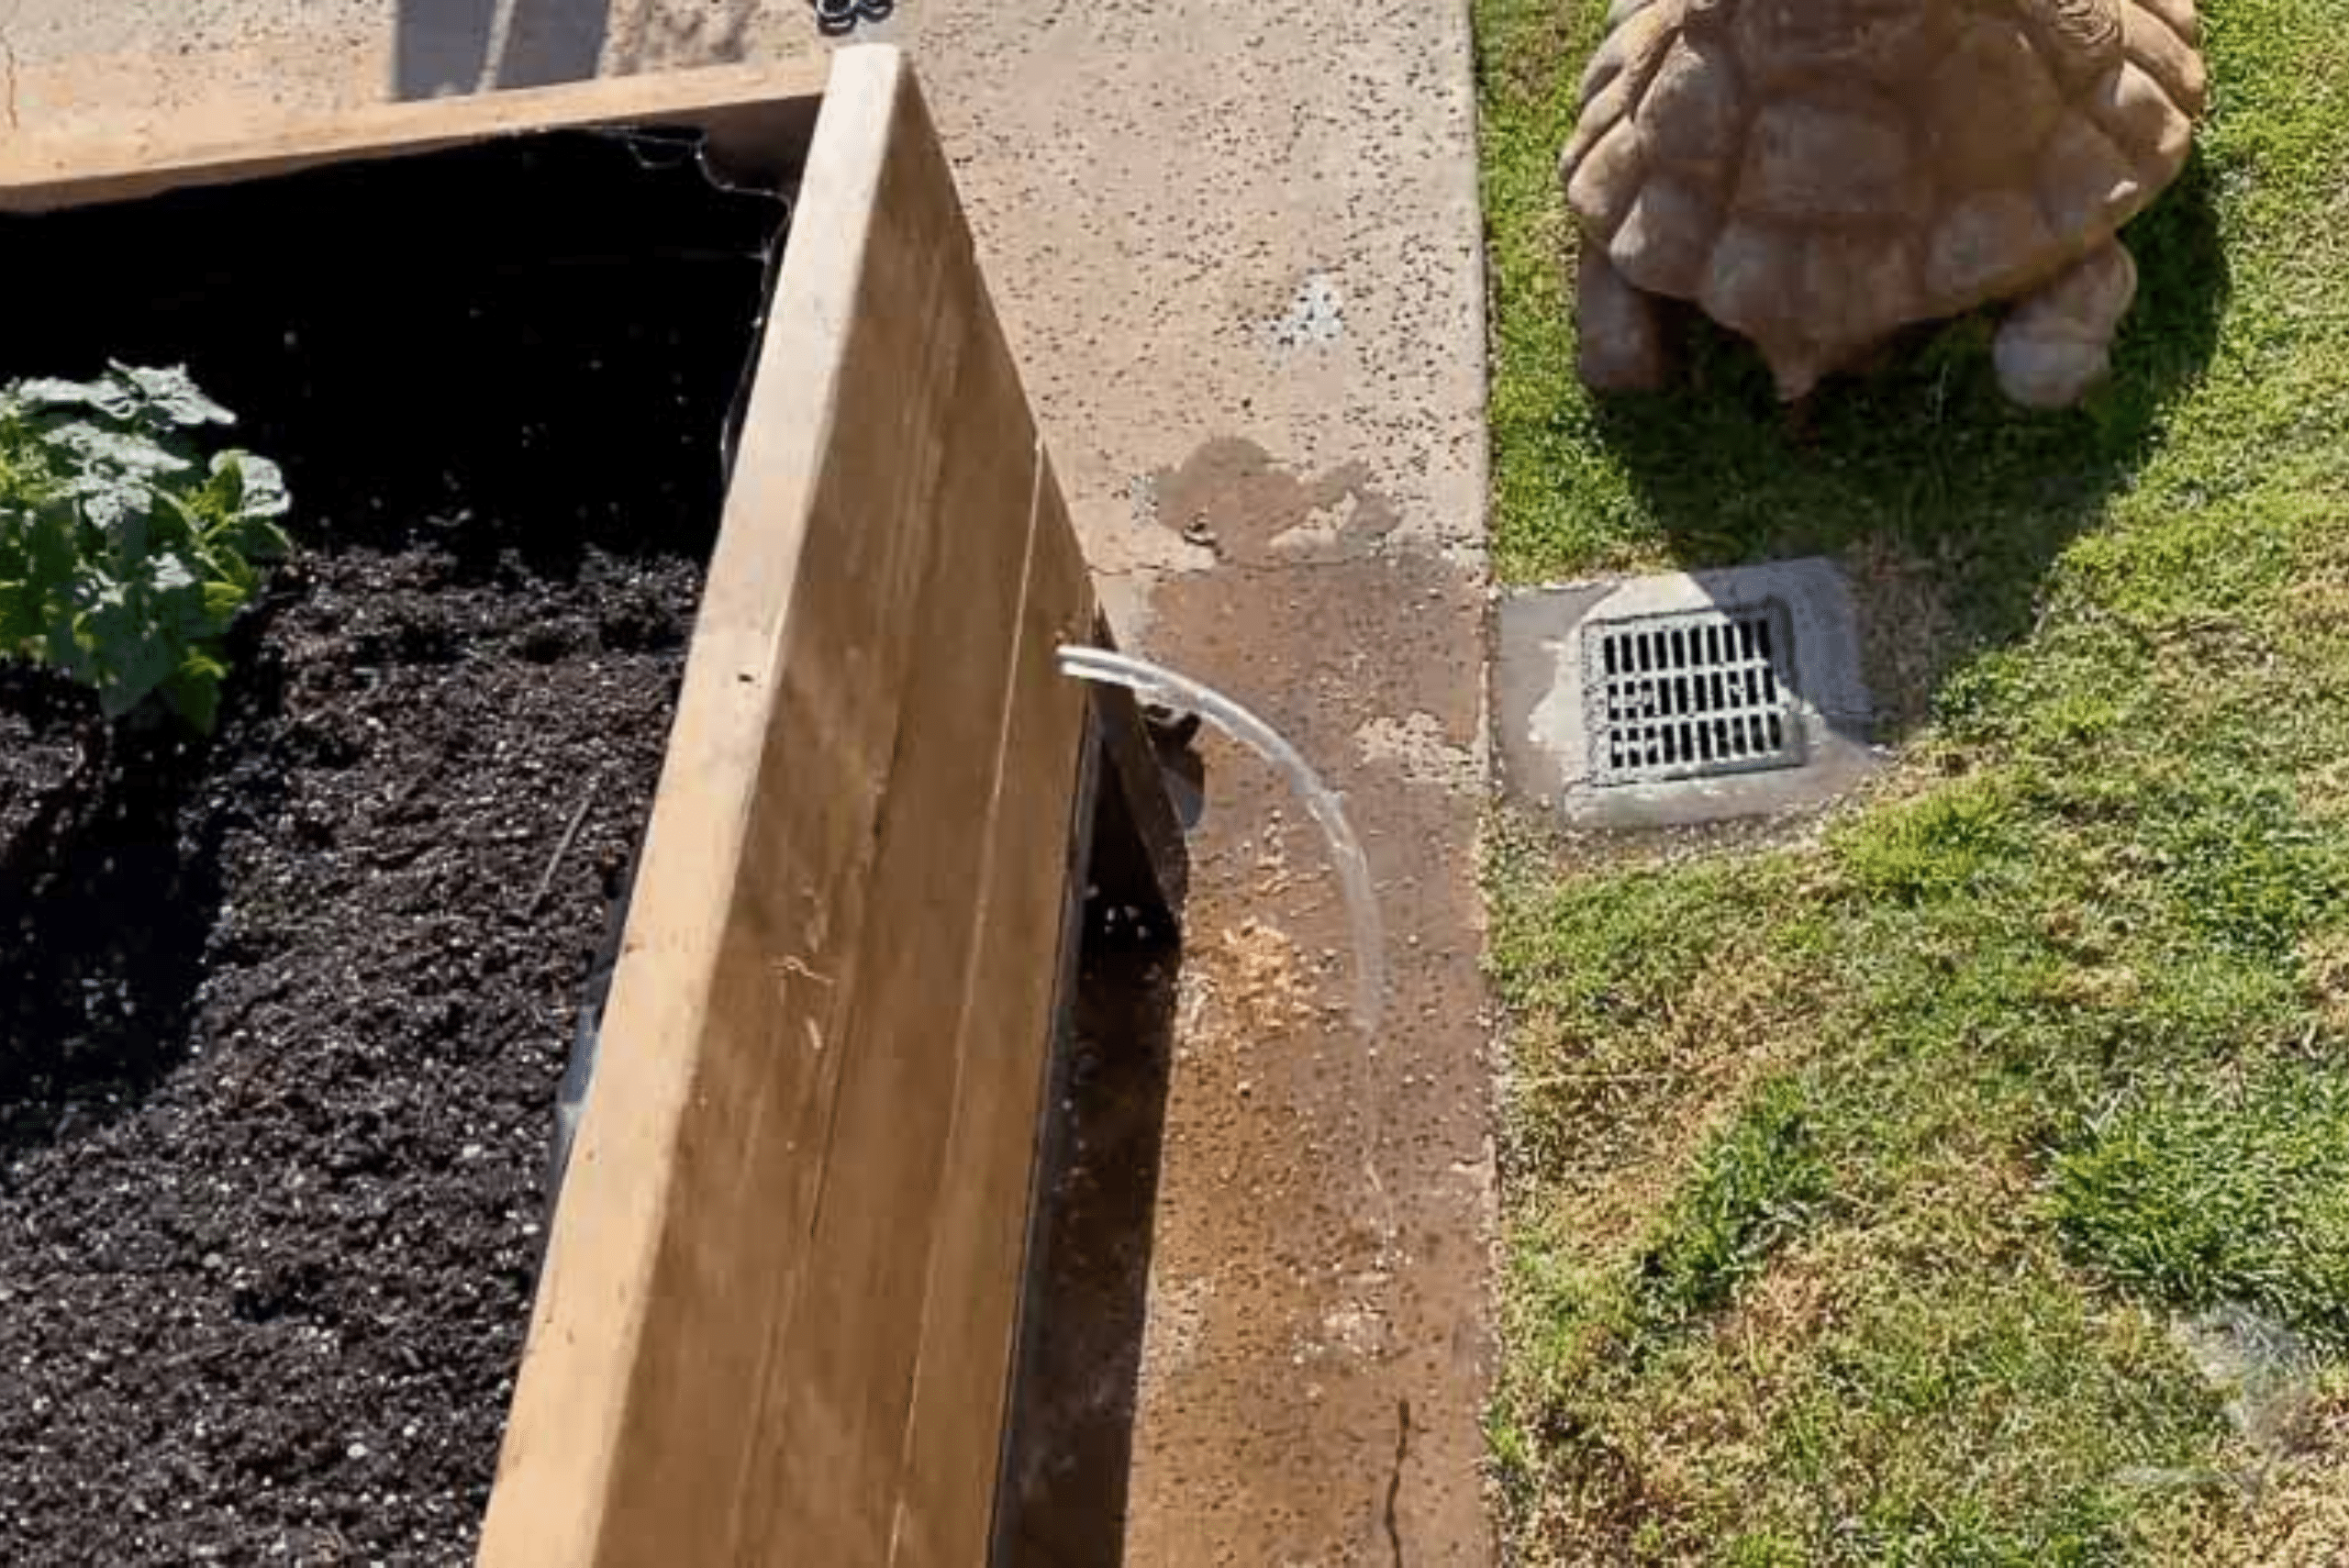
column 781, row 1306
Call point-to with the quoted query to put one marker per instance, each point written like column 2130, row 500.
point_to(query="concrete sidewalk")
column 1238, row 251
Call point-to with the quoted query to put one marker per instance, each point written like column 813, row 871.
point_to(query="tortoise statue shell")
column 1816, row 174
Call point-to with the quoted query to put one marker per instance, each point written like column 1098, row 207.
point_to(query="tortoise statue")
column 1816, row 174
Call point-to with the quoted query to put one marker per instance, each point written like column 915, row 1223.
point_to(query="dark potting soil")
column 282, row 1011
column 38, row 749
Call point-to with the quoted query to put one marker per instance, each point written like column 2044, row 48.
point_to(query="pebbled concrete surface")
column 1237, row 249
column 1319, row 1343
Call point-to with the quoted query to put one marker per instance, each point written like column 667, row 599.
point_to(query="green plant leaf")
column 125, row 553
column 174, row 393
column 110, row 396
column 223, row 600
column 193, row 693
column 19, row 617
column 257, row 486
column 133, row 454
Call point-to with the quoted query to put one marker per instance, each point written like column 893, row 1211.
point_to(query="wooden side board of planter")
column 780, row 1301
column 760, row 114
column 778, row 1319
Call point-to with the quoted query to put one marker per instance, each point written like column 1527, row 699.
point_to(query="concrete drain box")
column 780, row 1305
column 1680, row 698
column 1699, row 694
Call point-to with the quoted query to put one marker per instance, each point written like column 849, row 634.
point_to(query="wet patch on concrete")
column 1325, row 1200
column 1230, row 497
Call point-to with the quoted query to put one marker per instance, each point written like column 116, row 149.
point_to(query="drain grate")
column 1689, row 695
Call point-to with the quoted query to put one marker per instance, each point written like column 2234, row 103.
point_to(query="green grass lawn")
column 1858, row 1185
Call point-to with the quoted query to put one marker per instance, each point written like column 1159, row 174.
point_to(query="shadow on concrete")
column 660, row 35
column 1067, row 1463
column 1944, row 503
column 444, row 46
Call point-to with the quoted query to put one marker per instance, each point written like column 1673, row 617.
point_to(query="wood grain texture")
column 777, row 1321
column 757, row 117
column 1016, row 966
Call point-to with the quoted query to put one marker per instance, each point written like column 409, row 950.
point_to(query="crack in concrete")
column 1394, row 1477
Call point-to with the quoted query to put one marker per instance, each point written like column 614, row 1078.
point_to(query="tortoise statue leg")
column 2057, row 343
column 1620, row 328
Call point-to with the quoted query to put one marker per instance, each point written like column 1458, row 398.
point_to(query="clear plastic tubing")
column 1156, row 684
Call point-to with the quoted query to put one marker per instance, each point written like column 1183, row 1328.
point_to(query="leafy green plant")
column 125, row 551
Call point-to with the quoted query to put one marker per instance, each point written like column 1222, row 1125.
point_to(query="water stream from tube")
column 1151, row 683
column 1156, row 684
